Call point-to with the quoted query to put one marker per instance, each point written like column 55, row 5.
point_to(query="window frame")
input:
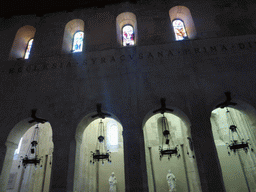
column 123, row 36
column 27, row 48
column 185, row 38
column 72, row 50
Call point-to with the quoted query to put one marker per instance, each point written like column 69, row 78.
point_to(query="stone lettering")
column 20, row 70
column 11, row 70
column 122, row 58
column 241, row 45
column 160, row 54
column 69, row 64
column 224, row 48
column 94, row 60
column 112, row 59
column 131, row 57
column 213, row 49
column 170, row 53
column 186, row 51
column 150, row 55
column 103, row 60
column 249, row 44
column 54, row 65
column 28, row 68
column 197, row 50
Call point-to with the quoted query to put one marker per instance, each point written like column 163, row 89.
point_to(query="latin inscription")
column 150, row 56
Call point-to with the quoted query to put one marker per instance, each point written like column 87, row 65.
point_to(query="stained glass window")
column 29, row 46
column 128, row 35
column 17, row 151
column 179, row 29
column 78, row 41
column 113, row 134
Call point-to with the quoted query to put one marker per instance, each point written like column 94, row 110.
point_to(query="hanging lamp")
column 100, row 154
column 166, row 147
column 31, row 156
column 236, row 141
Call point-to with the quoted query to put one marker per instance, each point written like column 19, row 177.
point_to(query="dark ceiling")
column 27, row 7
column 9, row 8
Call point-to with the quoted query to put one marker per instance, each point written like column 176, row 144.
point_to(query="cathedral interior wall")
column 128, row 81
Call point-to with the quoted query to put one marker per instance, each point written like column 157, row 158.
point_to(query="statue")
column 171, row 180
column 112, row 183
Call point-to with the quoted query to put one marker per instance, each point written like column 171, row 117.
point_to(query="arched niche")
column 238, row 169
column 23, row 35
column 126, row 18
column 71, row 28
column 30, row 178
column 95, row 177
column 183, row 13
column 184, row 168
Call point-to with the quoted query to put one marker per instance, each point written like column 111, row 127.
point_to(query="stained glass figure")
column 128, row 35
column 179, row 29
column 78, row 41
column 29, row 46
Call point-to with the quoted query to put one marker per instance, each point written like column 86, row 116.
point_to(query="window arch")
column 73, row 27
column 127, row 35
column 112, row 133
column 179, row 29
column 28, row 49
column 181, row 15
column 21, row 41
column 126, row 28
column 78, row 40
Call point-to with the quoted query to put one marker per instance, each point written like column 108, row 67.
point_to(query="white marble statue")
column 112, row 183
column 171, row 180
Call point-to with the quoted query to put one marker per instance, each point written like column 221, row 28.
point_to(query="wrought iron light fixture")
column 166, row 148
column 100, row 152
column 31, row 157
column 236, row 141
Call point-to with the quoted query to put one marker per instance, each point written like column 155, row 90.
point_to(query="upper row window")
column 128, row 35
column 126, row 25
column 78, row 41
column 179, row 29
column 29, row 46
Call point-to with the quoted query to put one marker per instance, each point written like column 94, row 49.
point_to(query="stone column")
column 62, row 139
column 7, row 165
column 205, row 150
column 134, row 157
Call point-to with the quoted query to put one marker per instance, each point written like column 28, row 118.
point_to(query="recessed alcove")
column 126, row 18
column 95, row 177
column 239, row 168
column 71, row 28
column 183, row 13
column 14, row 176
column 184, row 168
column 23, row 35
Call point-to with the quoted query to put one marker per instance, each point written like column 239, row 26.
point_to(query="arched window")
column 29, row 46
column 17, row 151
column 179, row 29
column 128, row 35
column 78, row 41
column 182, row 23
column 112, row 134
column 23, row 38
column 126, row 29
column 74, row 30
